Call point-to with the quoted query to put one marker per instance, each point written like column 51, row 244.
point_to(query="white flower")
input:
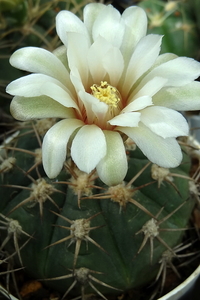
column 107, row 83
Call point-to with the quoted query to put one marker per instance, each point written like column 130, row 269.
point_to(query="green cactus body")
column 97, row 246
column 9, row 4
column 175, row 21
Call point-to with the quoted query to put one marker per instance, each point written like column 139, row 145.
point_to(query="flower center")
column 106, row 93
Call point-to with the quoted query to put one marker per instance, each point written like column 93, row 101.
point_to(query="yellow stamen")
column 106, row 93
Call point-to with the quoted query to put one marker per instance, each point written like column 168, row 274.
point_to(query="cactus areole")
column 99, row 216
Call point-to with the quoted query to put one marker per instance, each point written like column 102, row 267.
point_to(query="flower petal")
column 90, row 13
column 61, row 54
column 54, row 147
column 142, row 59
column 178, row 71
column 113, row 167
column 77, row 55
column 138, row 104
column 150, row 88
column 76, row 80
column 38, row 60
column 38, row 84
column 109, row 25
column 66, row 22
column 130, row 119
column 135, row 20
column 150, row 75
column 88, row 147
column 182, row 98
column 95, row 57
column 94, row 107
column 163, row 58
column 106, row 59
column 164, row 122
column 24, row 109
column 114, row 65
column 163, row 152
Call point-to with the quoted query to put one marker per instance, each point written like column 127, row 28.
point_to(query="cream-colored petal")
column 138, row 104
column 150, row 75
column 182, row 98
column 88, row 147
column 178, row 71
column 61, row 54
column 164, row 122
column 38, row 60
column 135, row 20
column 25, row 109
column 114, row 65
column 38, row 84
column 163, row 58
column 67, row 22
column 130, row 119
column 150, row 88
column 163, row 152
column 144, row 56
column 113, row 167
column 105, row 59
column 90, row 13
column 94, row 108
column 54, row 147
column 76, row 80
column 77, row 52
column 95, row 57
column 109, row 25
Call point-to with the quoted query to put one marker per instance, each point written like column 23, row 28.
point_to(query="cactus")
column 89, row 237
column 176, row 21
column 77, row 234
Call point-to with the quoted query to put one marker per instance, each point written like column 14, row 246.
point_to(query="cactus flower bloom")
column 106, row 83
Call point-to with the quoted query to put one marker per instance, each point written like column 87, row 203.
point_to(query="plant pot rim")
column 183, row 288
column 175, row 294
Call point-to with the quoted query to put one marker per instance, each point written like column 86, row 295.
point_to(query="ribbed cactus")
column 176, row 21
column 89, row 237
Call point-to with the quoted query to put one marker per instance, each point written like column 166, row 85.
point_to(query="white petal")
column 106, row 59
column 135, row 20
column 178, row 71
column 150, row 75
column 38, row 84
column 182, row 98
column 130, row 119
column 150, row 88
column 143, row 58
column 61, row 54
column 88, row 147
column 77, row 54
column 109, row 25
column 113, row 167
column 163, row 58
column 38, row 60
column 59, row 94
column 24, row 109
column 54, row 147
column 164, row 122
column 95, row 57
column 163, row 152
column 76, row 80
column 94, row 107
column 90, row 13
column 66, row 22
column 138, row 104
column 114, row 65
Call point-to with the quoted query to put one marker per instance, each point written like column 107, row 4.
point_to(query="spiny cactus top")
column 108, row 82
